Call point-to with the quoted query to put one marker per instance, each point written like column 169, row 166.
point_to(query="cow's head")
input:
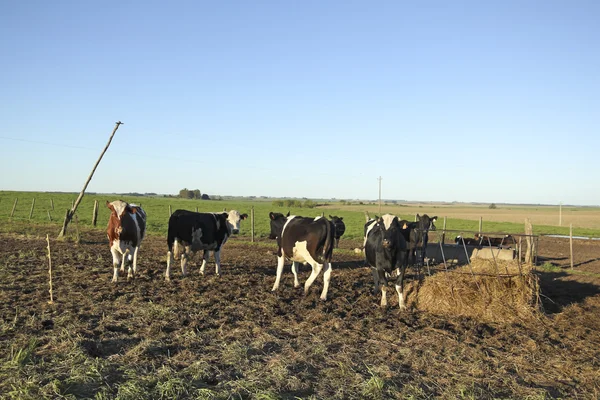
column 340, row 228
column 234, row 219
column 277, row 222
column 390, row 231
column 426, row 223
column 118, row 208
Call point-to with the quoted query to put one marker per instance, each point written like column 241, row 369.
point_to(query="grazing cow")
column 200, row 231
column 385, row 251
column 303, row 240
column 126, row 229
column 340, row 228
column 417, row 236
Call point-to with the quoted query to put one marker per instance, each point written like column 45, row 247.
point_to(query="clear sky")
column 489, row 101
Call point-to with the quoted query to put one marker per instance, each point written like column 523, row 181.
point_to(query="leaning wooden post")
column 480, row 224
column 49, row 216
column 196, row 209
column 170, row 212
column 571, row 243
column 71, row 212
column 14, row 207
column 32, row 206
column 49, row 270
column 95, row 213
column 52, row 204
column 252, row 223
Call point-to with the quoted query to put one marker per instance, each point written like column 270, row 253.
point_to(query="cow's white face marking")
column 387, row 220
column 119, row 207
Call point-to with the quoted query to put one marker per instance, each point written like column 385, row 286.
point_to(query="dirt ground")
column 231, row 337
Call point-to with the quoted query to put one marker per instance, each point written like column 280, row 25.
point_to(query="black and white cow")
column 416, row 235
column 385, row 252
column 303, row 240
column 125, row 230
column 200, row 231
column 340, row 228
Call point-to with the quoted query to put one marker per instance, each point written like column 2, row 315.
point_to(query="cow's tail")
column 171, row 232
column 328, row 246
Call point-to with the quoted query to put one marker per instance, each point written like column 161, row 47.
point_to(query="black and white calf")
column 340, row 228
column 200, row 231
column 125, row 230
column 303, row 240
column 385, row 251
column 416, row 235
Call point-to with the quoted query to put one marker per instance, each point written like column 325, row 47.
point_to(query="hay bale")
column 488, row 293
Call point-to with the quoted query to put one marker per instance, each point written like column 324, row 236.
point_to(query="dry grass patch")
column 488, row 292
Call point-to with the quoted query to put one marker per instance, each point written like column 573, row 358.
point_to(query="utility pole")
column 379, row 179
column 560, row 214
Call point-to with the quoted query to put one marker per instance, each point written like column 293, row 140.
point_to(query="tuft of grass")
column 373, row 388
column 23, row 355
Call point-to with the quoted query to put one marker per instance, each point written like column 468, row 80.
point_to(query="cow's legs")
column 280, row 262
column 169, row 261
column 383, row 285
column 205, row 258
column 116, row 263
column 326, row 277
column 375, row 279
column 185, row 254
column 400, row 289
column 132, row 261
column 135, row 254
column 217, row 262
column 126, row 260
column 295, row 272
column 316, row 270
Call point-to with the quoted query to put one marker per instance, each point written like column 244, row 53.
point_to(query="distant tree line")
column 193, row 194
column 294, row 203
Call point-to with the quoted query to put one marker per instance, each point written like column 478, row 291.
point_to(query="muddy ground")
column 230, row 337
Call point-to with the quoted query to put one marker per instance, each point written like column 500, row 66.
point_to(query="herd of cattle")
column 390, row 244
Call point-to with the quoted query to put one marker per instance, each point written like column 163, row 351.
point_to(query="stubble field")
column 230, row 337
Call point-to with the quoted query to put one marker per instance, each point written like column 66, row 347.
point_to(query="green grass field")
column 460, row 217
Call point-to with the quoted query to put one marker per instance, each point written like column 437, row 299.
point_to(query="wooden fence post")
column 49, row 270
column 196, row 209
column 529, row 239
column 444, row 232
column 571, row 243
column 95, row 213
column 32, row 206
column 480, row 224
column 52, row 204
column 252, row 223
column 170, row 212
column 49, row 216
column 14, row 207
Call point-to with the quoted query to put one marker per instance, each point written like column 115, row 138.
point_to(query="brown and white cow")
column 126, row 229
column 303, row 240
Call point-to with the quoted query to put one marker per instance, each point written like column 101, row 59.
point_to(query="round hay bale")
column 500, row 292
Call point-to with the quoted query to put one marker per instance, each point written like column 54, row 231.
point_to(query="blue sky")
column 489, row 101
